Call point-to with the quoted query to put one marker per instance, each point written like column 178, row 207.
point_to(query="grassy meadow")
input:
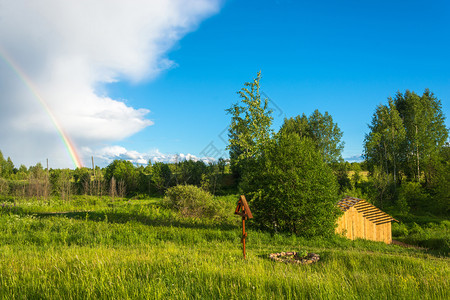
column 89, row 247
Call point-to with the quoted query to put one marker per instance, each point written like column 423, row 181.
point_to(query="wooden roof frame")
column 368, row 210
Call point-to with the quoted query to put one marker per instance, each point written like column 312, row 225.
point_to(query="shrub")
column 416, row 229
column 4, row 187
column 191, row 201
column 433, row 236
column 412, row 194
column 291, row 188
column 399, row 230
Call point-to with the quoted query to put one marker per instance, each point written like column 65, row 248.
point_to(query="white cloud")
column 68, row 50
column 107, row 154
column 355, row 158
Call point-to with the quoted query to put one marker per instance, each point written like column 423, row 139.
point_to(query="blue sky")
column 343, row 57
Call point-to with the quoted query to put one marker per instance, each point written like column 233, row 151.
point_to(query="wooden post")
column 244, row 234
column 243, row 210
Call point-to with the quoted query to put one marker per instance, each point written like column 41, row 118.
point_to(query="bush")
column 292, row 189
column 435, row 237
column 413, row 195
column 191, row 201
column 431, row 234
column 4, row 187
column 399, row 230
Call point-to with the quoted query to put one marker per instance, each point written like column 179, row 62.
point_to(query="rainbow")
column 71, row 150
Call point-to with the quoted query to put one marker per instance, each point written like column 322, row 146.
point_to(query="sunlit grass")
column 139, row 249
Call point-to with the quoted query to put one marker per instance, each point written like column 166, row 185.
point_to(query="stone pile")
column 294, row 257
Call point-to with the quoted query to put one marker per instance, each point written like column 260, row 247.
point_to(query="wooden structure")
column 363, row 220
column 243, row 210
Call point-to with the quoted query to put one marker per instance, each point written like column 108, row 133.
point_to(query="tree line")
column 407, row 153
column 119, row 179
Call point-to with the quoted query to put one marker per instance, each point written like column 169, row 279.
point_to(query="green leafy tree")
column 9, row 168
column 60, row 181
column 6, row 167
column 2, row 163
column 322, row 130
column 341, row 170
column 292, row 188
column 405, row 143
column 426, row 133
column 161, row 176
column 442, row 190
column 384, row 145
column 82, row 180
column 191, row 171
column 124, row 173
column 22, row 173
column 148, row 168
column 37, row 171
column 211, row 178
column 221, row 164
column 249, row 130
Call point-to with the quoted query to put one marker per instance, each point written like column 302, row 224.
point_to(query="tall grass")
column 430, row 233
column 140, row 249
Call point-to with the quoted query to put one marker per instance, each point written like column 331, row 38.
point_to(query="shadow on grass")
column 122, row 218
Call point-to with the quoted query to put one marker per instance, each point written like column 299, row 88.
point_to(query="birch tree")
column 250, row 127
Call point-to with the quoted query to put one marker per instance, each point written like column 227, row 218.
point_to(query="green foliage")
column 61, row 183
column 36, row 172
column 120, row 178
column 191, row 201
column 412, row 194
column 124, row 173
column 426, row 132
column 341, row 173
column 212, row 178
column 191, row 171
column 249, row 130
column 161, row 176
column 384, row 145
column 292, row 188
column 402, row 203
column 22, row 173
column 399, row 229
column 221, row 164
column 322, row 130
column 6, row 167
column 384, row 187
column 440, row 190
column 4, row 187
column 432, row 235
column 82, row 180
column 406, row 143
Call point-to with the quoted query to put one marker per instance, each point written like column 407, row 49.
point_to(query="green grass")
column 428, row 232
column 93, row 248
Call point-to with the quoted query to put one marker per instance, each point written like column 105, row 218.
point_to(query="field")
column 97, row 248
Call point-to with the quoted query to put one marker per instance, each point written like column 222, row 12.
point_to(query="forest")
column 293, row 178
